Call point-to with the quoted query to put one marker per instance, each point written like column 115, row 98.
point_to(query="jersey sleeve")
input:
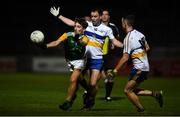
column 127, row 45
column 110, row 33
column 85, row 39
column 63, row 37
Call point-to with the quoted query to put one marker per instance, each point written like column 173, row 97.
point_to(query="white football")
column 37, row 36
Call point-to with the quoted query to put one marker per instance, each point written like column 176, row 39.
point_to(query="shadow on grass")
column 113, row 98
column 104, row 109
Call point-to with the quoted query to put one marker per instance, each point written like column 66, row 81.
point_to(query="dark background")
column 158, row 20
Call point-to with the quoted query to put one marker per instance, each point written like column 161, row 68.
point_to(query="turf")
column 30, row 94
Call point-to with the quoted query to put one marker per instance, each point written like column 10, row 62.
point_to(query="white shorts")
column 76, row 64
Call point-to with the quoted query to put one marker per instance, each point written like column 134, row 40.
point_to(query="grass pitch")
column 39, row 94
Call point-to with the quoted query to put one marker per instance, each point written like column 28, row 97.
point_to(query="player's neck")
column 129, row 29
column 97, row 24
column 106, row 23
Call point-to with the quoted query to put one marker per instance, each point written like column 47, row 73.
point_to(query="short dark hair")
column 130, row 19
column 99, row 10
column 82, row 22
column 106, row 9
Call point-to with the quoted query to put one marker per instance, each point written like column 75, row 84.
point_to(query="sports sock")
column 83, row 83
column 109, row 86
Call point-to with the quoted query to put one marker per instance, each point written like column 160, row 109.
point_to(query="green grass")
column 40, row 94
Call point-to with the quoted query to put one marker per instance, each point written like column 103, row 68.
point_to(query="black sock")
column 90, row 100
column 109, row 86
column 83, row 83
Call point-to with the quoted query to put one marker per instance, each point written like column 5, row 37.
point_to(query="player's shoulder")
column 112, row 24
column 89, row 23
column 138, row 33
column 113, row 27
column 70, row 33
column 103, row 26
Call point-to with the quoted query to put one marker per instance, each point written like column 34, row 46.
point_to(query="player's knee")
column 126, row 91
column 93, row 83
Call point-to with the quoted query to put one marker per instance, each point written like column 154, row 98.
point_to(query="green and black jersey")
column 74, row 50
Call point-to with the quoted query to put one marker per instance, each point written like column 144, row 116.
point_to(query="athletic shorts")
column 141, row 78
column 95, row 64
column 76, row 64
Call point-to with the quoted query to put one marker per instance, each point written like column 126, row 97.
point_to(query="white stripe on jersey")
column 126, row 43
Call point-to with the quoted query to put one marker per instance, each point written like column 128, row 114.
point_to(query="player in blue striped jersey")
column 96, row 32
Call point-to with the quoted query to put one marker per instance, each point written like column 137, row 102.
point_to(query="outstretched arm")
column 67, row 21
column 57, row 14
column 117, row 43
column 58, row 41
column 49, row 45
column 53, row 43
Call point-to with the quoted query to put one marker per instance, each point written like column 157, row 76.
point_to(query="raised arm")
column 67, row 21
column 57, row 14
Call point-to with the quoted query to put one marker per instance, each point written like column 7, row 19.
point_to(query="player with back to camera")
column 96, row 31
column 135, row 48
column 74, row 45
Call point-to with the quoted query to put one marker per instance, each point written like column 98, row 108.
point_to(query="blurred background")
column 159, row 21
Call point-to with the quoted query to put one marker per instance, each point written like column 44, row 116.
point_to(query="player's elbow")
column 125, row 57
column 147, row 48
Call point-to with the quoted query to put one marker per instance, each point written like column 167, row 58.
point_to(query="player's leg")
column 158, row 95
column 128, row 90
column 109, row 83
column 144, row 92
column 131, row 86
column 73, row 84
column 109, row 64
column 90, row 99
column 82, row 81
column 75, row 66
column 93, row 82
column 71, row 94
column 95, row 66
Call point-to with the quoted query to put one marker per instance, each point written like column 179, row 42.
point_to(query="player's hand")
column 55, row 11
column 111, row 73
column 41, row 45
